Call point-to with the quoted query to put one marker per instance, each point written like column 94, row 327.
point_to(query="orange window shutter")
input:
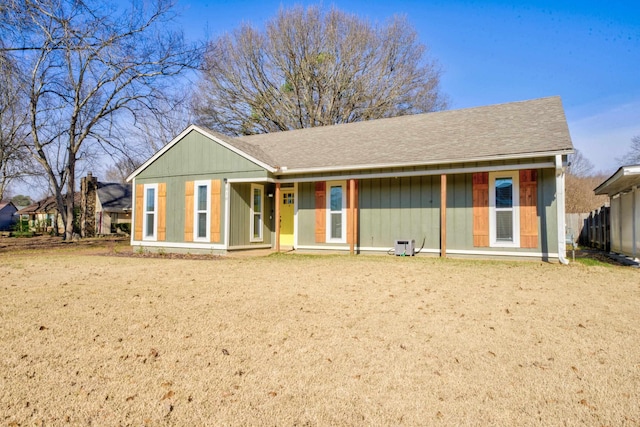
column 321, row 218
column 137, row 235
column 188, row 211
column 162, row 211
column 481, row 209
column 529, row 208
column 352, row 220
column 215, row 210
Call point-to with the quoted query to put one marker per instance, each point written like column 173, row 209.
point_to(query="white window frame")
column 196, row 186
column 343, row 212
column 515, row 179
column 254, row 212
column 146, row 213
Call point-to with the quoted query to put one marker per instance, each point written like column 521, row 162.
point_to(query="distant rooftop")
column 114, row 197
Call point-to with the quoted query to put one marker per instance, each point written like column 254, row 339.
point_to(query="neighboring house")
column 623, row 189
column 105, row 207
column 43, row 215
column 7, row 215
column 480, row 182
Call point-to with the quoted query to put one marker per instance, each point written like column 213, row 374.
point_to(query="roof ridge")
column 250, row 138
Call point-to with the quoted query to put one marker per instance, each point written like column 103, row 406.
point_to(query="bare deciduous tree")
column 580, row 181
column 87, row 65
column 153, row 128
column 632, row 157
column 314, row 68
column 121, row 169
column 579, row 165
column 15, row 162
column 579, row 194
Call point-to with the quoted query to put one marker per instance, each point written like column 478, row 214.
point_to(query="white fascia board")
column 285, row 171
column 198, row 129
column 133, row 213
column 632, row 170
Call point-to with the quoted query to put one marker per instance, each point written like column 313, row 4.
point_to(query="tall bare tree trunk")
column 89, row 68
column 70, row 205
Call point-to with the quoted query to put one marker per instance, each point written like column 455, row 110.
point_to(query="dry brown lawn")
column 290, row 340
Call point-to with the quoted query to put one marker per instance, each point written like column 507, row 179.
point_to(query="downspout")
column 562, row 244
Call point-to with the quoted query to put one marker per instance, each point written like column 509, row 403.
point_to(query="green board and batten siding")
column 409, row 208
column 389, row 209
column 460, row 214
column 240, row 211
column 197, row 157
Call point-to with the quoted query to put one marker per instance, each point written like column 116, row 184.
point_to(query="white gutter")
column 562, row 244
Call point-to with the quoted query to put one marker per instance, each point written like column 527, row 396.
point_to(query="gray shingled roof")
column 114, row 197
column 496, row 131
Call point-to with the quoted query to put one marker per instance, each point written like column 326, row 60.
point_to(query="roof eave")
column 606, row 187
column 286, row 171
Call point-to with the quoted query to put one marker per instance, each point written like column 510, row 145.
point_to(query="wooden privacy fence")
column 592, row 229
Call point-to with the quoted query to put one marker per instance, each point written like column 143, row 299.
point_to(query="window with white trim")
column 150, row 218
column 257, row 207
column 504, row 209
column 201, row 210
column 336, row 212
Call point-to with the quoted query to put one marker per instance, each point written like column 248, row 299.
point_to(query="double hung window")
column 504, row 224
column 202, row 210
column 150, row 219
column 257, row 207
column 336, row 212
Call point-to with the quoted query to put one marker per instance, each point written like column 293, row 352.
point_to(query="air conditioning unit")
column 405, row 248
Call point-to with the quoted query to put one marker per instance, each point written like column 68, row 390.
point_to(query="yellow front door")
column 286, row 217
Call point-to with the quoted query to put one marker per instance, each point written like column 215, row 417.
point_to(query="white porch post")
column 562, row 244
column 227, row 212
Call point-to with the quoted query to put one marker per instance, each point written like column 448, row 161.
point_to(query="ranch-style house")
column 480, row 182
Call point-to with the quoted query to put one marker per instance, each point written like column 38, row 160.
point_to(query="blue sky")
column 588, row 52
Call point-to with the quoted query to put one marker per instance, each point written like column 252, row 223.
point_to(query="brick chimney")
column 88, row 190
